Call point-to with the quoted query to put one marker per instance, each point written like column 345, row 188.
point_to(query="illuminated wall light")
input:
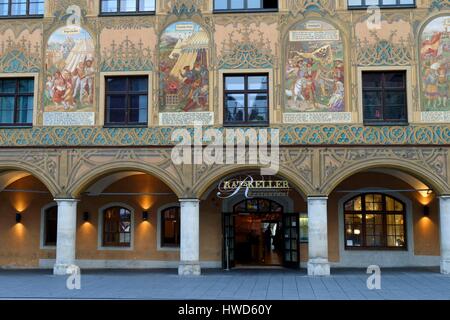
column 18, row 217
column 357, row 231
column 145, row 215
column 86, row 216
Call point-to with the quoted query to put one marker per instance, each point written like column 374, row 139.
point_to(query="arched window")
column 170, row 227
column 116, row 227
column 375, row 220
column 50, row 225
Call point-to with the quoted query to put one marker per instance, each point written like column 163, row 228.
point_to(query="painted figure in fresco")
column 70, row 71
column 59, row 88
column 183, row 74
column 435, row 57
column 314, row 69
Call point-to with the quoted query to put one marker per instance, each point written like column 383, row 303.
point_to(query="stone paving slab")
column 396, row 284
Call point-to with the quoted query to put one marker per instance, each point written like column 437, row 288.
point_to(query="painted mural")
column 70, row 65
column 435, row 65
column 183, row 68
column 314, row 68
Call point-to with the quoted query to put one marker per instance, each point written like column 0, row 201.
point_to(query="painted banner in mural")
column 70, row 65
column 435, row 65
column 314, row 69
column 183, row 67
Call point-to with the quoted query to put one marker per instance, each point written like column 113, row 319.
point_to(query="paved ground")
column 222, row 285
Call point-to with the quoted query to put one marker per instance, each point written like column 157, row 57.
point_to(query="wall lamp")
column 426, row 211
column 86, row 216
column 18, row 217
column 145, row 215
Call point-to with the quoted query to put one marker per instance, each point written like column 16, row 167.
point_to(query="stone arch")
column 434, row 181
column 78, row 186
column 43, row 177
column 203, row 185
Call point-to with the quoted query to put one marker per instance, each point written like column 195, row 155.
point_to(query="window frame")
column 384, row 214
column 245, row 9
column 382, row 6
column 23, row 16
column 127, row 93
column 163, row 244
column 245, row 92
column 371, row 122
column 16, row 95
column 101, row 224
column 126, row 13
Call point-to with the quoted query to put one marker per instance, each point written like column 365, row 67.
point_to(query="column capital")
column 189, row 200
column 317, row 198
column 66, row 200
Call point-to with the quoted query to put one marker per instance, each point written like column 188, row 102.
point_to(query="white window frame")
column 35, row 76
column 159, row 246
column 101, row 210
column 102, row 100
column 42, row 245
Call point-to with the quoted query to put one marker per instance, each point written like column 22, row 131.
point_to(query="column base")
column 318, row 267
column 62, row 269
column 189, row 269
column 445, row 266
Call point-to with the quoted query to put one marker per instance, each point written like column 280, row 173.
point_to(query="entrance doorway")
column 259, row 233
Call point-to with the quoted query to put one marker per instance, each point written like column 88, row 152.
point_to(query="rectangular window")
column 127, row 6
column 303, row 227
column 245, row 5
column 384, row 97
column 126, row 100
column 18, row 8
column 359, row 4
column 16, row 101
column 50, row 226
column 246, row 100
column 170, row 227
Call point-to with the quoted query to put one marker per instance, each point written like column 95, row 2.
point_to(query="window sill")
column 406, row 6
column 169, row 249
column 127, row 14
column 385, row 124
column 245, row 11
column 112, row 126
column 14, row 126
column 37, row 16
column 376, row 249
column 115, row 248
column 246, row 125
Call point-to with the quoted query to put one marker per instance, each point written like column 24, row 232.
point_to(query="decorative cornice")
column 306, row 135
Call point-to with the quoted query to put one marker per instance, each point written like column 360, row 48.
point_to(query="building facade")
column 92, row 92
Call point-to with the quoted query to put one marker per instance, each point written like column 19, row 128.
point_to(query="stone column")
column 189, row 237
column 318, row 264
column 444, row 220
column 66, row 235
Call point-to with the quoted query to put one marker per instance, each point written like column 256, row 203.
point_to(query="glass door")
column 291, row 256
column 228, row 241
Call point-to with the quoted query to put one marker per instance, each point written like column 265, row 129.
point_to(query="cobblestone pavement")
column 222, row 285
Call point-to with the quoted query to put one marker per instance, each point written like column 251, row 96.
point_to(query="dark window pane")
column 139, row 84
column 372, row 80
column 257, row 107
column 235, row 83
column 26, row 86
column 117, row 84
column 394, row 80
column 170, row 227
column 257, row 83
column 50, row 227
column 8, row 86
